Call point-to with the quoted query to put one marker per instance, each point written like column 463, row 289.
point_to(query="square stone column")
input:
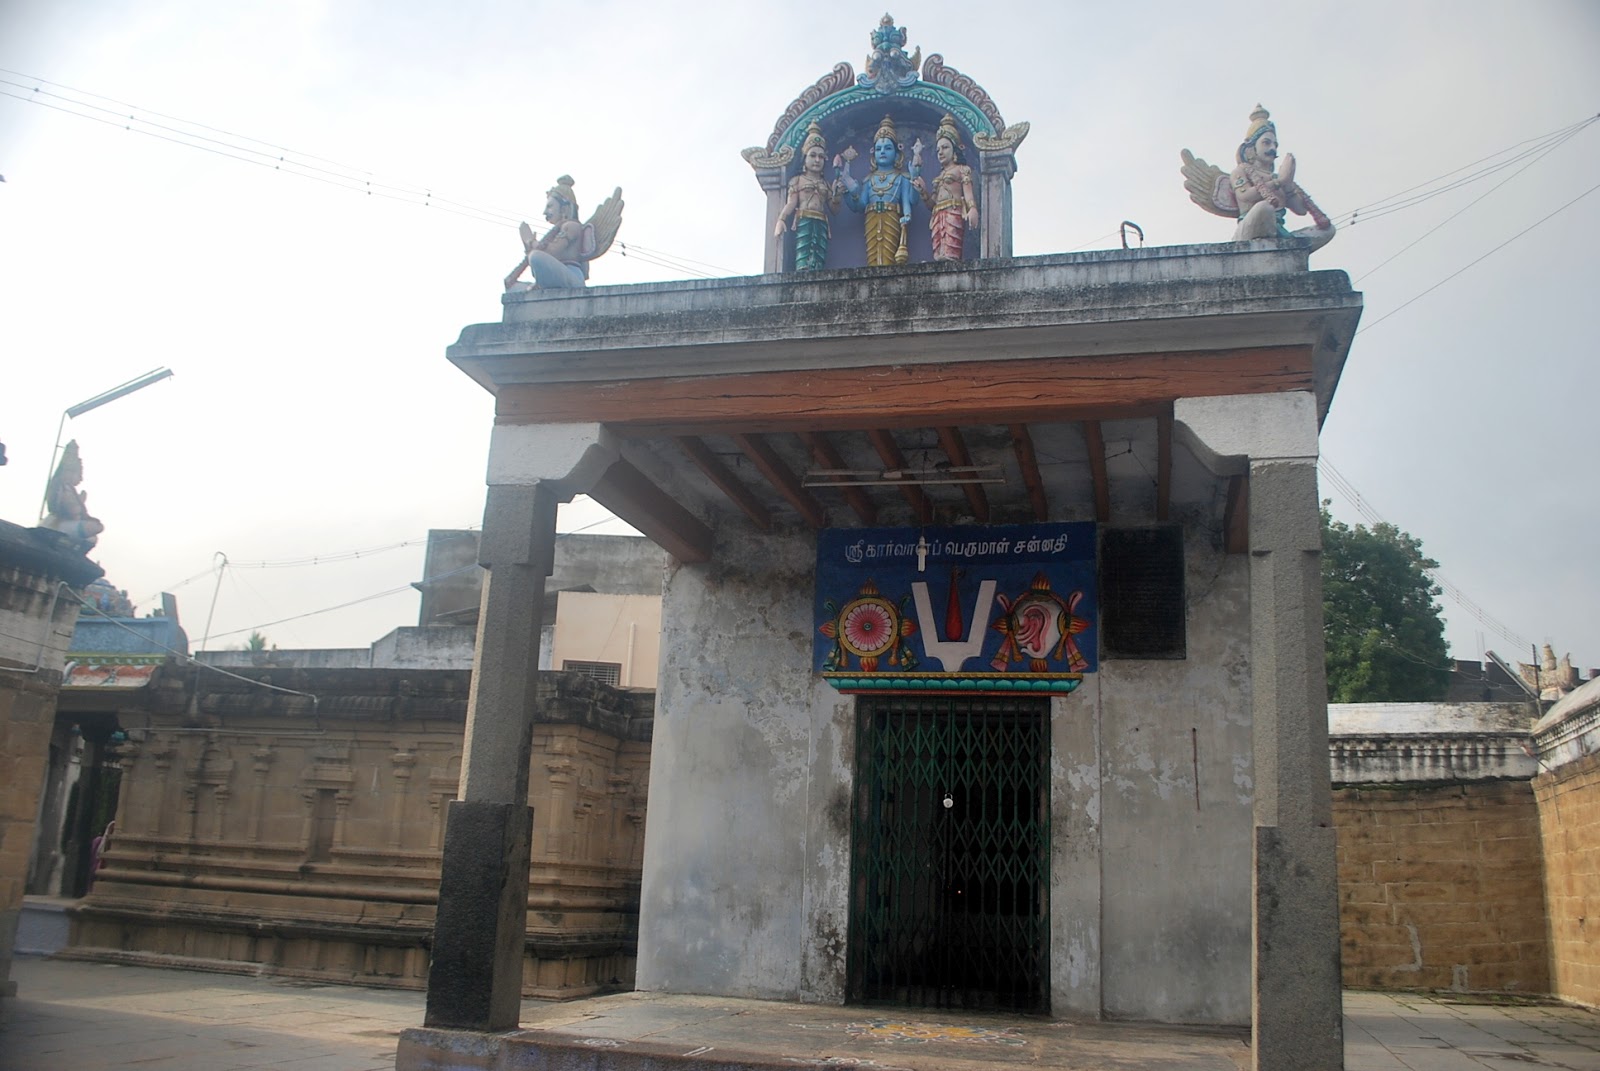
column 1296, row 995
column 995, row 170
column 475, row 974
column 480, row 929
column 1297, row 1010
column 770, row 169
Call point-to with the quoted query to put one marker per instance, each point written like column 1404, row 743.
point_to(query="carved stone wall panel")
column 216, row 824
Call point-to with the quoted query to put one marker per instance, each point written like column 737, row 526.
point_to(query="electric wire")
column 345, row 605
column 86, row 605
column 1479, row 260
column 1393, row 202
column 290, row 161
column 1414, row 242
column 282, row 167
column 1342, row 484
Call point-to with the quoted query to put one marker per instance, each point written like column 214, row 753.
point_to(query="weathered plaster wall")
column 1569, row 818
column 1075, row 874
column 747, row 864
column 1175, row 850
column 1440, row 887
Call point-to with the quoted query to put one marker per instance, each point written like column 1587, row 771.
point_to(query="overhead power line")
column 1479, row 260
column 1430, row 189
column 260, row 153
column 1347, row 489
column 1448, row 219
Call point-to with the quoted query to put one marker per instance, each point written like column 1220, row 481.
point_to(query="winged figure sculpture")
column 561, row 258
column 1258, row 193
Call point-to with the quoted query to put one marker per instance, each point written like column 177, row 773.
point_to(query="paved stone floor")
column 97, row 1017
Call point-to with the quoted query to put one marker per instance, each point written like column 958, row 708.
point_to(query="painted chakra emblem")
column 1039, row 625
column 871, row 628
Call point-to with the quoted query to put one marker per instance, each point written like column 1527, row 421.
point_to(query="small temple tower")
column 843, row 112
column 991, row 666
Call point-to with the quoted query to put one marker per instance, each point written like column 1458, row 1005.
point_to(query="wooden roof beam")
column 628, row 493
column 718, row 473
column 1028, row 462
column 770, row 465
column 955, row 449
column 827, row 456
column 1097, row 470
column 889, row 452
column 959, row 393
column 1164, row 464
column 1236, row 517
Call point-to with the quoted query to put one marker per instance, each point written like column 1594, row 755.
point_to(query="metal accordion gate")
column 950, row 866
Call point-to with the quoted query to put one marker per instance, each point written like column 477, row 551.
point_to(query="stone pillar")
column 1295, row 983
column 995, row 169
column 770, row 168
column 1296, row 1010
column 475, row 975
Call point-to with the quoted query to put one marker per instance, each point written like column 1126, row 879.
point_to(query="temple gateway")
column 991, row 664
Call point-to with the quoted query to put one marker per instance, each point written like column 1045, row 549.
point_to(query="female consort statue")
column 952, row 202
column 811, row 198
column 885, row 196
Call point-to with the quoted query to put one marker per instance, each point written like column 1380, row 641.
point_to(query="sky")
column 312, row 413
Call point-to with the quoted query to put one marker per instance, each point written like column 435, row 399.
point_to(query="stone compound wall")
column 1441, row 887
column 37, row 614
column 1569, row 813
column 267, row 836
column 27, row 714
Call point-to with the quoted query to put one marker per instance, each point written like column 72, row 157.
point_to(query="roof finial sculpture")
column 888, row 69
column 1256, row 194
column 67, row 507
column 561, row 258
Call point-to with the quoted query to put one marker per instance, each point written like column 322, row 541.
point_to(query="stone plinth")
column 271, row 836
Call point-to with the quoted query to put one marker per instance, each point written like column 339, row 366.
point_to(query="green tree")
column 1384, row 633
column 256, row 642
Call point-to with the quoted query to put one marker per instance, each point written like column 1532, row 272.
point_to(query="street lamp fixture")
column 155, row 375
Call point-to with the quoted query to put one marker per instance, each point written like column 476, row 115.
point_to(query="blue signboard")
column 998, row 608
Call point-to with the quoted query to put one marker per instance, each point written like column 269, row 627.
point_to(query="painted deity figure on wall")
column 1258, row 193
column 811, row 198
column 884, row 196
column 560, row 259
column 953, row 205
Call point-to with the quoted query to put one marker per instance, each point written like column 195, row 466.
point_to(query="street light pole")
column 155, row 375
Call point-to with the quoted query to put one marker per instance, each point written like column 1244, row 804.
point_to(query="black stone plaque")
column 1141, row 592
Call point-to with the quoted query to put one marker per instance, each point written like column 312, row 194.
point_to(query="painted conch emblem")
column 871, row 628
column 1039, row 625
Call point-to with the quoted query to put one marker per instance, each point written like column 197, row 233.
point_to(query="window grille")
column 604, row 672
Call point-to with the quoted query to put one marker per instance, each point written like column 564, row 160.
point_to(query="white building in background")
column 602, row 608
